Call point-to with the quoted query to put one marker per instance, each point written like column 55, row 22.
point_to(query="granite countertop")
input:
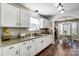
column 18, row 40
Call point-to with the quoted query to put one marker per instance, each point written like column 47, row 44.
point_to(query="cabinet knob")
column 17, row 52
column 27, row 47
column 20, row 24
column 11, row 47
column 30, row 46
column 24, row 43
column 42, row 41
column 17, row 23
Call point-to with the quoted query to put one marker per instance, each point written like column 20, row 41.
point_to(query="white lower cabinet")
column 28, row 48
column 39, row 45
column 43, row 42
column 25, row 48
column 33, row 47
column 12, row 50
column 1, row 51
column 49, row 39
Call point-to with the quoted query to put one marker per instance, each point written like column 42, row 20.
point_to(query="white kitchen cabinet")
column 24, row 18
column 43, row 42
column 39, row 45
column 33, row 47
column 47, row 42
column 8, row 15
column 49, row 39
column 44, row 23
column 25, row 48
column 1, row 52
column 12, row 50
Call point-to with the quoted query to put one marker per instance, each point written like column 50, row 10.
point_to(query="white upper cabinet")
column 24, row 18
column 8, row 15
column 44, row 23
column 11, row 16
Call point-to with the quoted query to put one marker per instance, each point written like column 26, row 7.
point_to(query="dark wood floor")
column 59, row 50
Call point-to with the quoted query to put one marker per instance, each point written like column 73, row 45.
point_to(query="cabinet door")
column 33, row 47
column 44, row 23
column 24, row 18
column 39, row 45
column 43, row 42
column 49, row 40
column 41, row 23
column 25, row 49
column 9, row 15
column 1, row 51
column 12, row 50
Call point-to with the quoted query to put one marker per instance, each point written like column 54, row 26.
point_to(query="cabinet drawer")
column 12, row 50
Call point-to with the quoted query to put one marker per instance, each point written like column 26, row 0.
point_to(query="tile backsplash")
column 15, row 31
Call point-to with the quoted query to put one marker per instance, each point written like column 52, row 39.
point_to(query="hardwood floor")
column 60, row 50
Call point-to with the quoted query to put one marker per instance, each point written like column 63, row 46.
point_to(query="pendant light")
column 60, row 7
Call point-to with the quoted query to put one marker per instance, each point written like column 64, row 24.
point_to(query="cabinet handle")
column 41, row 41
column 16, row 52
column 20, row 24
column 11, row 47
column 27, row 47
column 24, row 43
column 30, row 46
column 17, row 23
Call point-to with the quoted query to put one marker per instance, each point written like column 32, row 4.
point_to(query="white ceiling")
column 50, row 8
